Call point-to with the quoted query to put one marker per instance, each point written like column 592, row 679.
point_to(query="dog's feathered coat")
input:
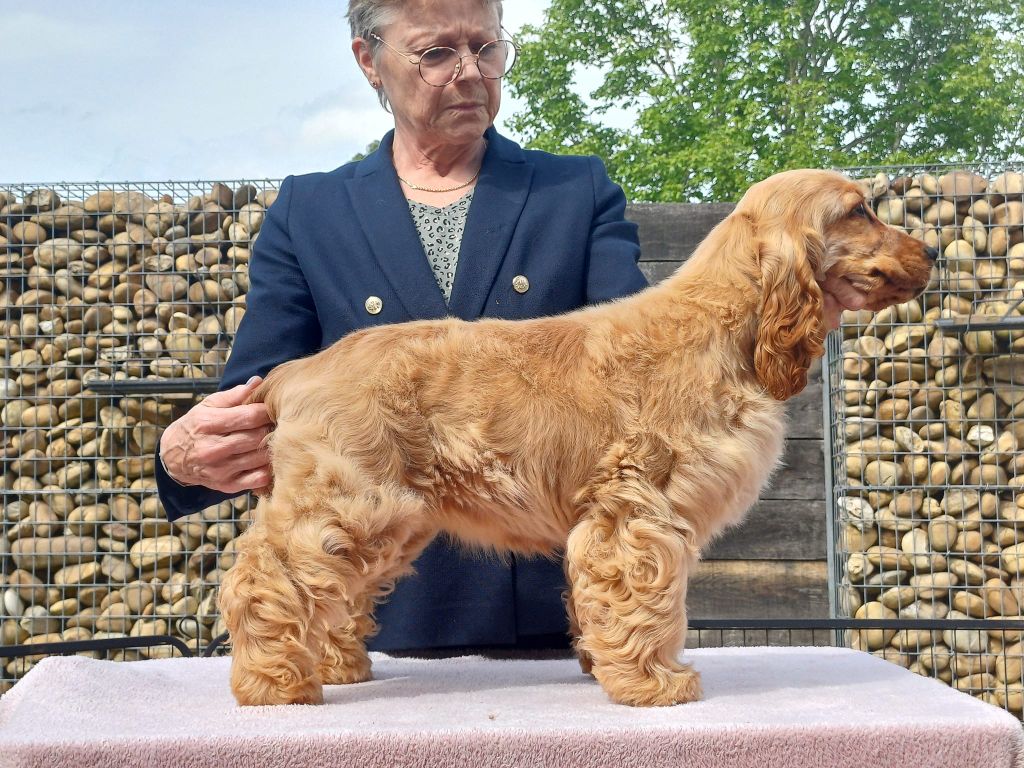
column 628, row 434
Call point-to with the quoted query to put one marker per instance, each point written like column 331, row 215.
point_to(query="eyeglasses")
column 441, row 65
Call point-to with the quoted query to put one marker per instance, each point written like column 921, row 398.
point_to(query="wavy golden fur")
column 626, row 435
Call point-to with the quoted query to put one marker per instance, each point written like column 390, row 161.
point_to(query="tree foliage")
column 371, row 147
column 695, row 99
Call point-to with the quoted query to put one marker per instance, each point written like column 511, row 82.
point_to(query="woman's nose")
column 467, row 63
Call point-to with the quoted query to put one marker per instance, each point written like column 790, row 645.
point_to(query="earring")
column 375, row 84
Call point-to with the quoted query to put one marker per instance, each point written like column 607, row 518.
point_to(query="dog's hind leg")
column 352, row 536
column 586, row 662
column 343, row 648
column 267, row 618
column 297, row 601
column 344, row 653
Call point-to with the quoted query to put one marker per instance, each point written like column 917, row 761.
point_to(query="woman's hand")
column 219, row 443
column 840, row 295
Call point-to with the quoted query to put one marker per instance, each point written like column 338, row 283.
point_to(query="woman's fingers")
column 220, row 448
column 236, row 473
column 222, row 420
column 833, row 311
column 227, row 411
column 844, row 292
column 257, row 480
column 220, row 442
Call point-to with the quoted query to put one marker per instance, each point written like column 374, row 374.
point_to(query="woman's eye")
column 434, row 56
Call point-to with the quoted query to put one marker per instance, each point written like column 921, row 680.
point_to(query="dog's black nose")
column 933, row 253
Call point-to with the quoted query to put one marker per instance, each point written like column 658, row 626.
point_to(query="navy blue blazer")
column 331, row 240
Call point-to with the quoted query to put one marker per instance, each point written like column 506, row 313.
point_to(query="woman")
column 447, row 217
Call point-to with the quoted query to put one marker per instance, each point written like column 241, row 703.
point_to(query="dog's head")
column 809, row 224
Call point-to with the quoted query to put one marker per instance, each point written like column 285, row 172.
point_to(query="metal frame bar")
column 122, row 387
column 837, row 624
column 983, row 323
column 832, row 566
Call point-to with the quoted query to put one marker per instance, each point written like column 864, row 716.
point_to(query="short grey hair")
column 367, row 17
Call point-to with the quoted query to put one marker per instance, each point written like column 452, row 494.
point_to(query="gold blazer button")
column 374, row 305
column 520, row 284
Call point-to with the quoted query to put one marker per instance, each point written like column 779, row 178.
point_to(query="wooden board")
column 726, row 638
column 802, row 473
column 776, row 530
column 805, row 410
column 671, row 231
column 759, row 589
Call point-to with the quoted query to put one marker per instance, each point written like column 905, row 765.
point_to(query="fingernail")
column 251, row 380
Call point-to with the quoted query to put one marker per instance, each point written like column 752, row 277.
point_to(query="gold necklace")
column 445, row 189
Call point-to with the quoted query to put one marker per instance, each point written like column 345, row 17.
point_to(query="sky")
column 153, row 90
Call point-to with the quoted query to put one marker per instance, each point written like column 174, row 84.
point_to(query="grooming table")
column 762, row 707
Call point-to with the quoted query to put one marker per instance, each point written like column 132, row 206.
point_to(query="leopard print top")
column 440, row 231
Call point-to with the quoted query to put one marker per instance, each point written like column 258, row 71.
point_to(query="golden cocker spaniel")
column 626, row 435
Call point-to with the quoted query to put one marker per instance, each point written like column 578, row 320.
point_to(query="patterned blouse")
column 440, row 231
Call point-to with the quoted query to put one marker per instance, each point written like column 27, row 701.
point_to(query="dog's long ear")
column 791, row 328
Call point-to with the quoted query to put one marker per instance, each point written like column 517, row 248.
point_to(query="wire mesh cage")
column 119, row 305
column 924, row 419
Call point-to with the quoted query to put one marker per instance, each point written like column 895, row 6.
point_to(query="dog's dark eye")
column 860, row 210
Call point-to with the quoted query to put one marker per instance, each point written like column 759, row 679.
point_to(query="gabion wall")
column 925, row 426
column 118, row 303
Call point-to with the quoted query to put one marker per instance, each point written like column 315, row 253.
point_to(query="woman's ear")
column 791, row 329
column 364, row 58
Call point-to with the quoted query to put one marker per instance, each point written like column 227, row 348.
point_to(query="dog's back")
column 283, row 382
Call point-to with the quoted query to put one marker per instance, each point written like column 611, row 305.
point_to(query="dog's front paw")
column 586, row 662
column 351, row 669
column 662, row 688
column 257, row 691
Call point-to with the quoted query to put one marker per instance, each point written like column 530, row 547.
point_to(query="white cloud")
column 114, row 91
column 343, row 125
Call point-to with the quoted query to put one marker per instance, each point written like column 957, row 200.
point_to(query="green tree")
column 370, row 148
column 720, row 93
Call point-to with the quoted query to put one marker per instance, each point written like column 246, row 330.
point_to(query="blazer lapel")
column 498, row 200
column 383, row 212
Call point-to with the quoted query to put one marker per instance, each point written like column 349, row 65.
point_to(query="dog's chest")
column 723, row 465
column 758, row 452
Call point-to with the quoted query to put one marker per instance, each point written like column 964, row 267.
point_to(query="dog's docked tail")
column 269, row 391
